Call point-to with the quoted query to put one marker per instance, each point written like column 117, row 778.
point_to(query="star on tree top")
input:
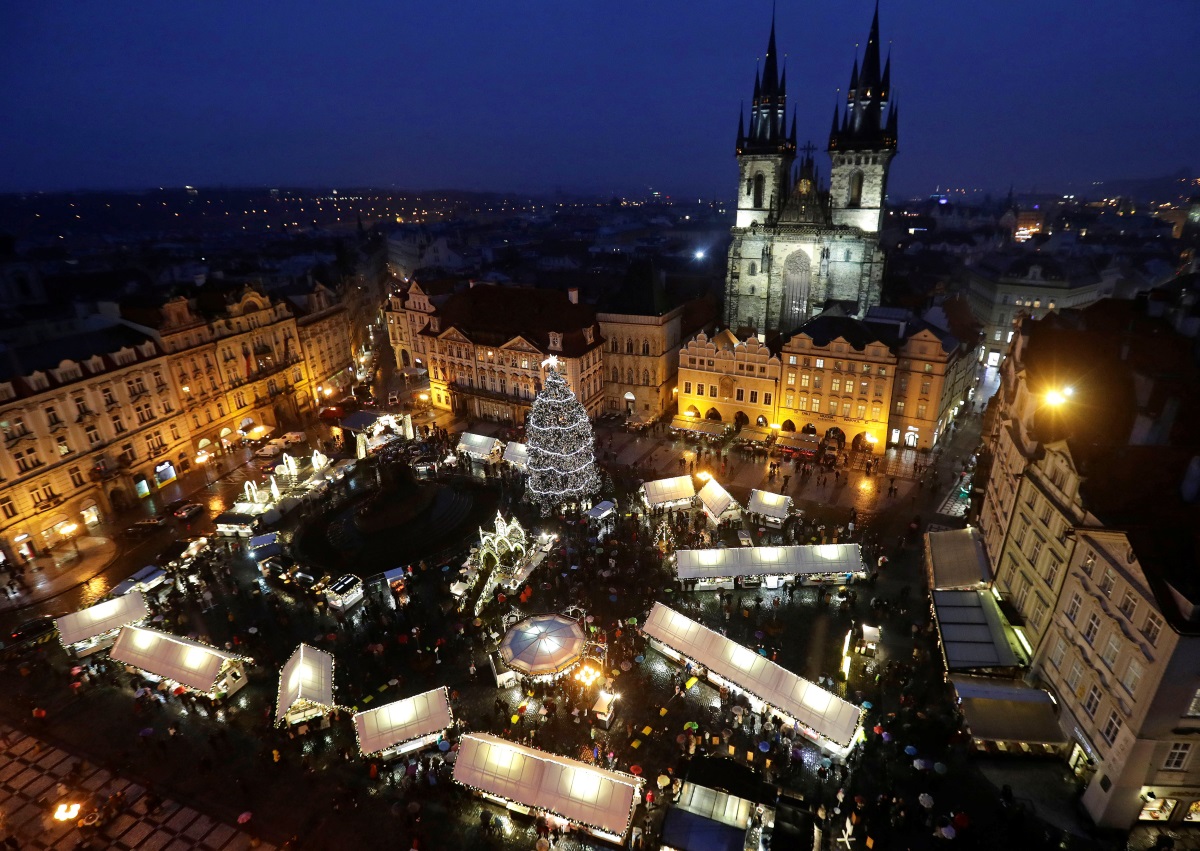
column 551, row 362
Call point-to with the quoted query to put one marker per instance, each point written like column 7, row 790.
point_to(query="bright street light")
column 1056, row 397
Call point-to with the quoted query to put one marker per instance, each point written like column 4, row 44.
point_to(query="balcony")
column 484, row 393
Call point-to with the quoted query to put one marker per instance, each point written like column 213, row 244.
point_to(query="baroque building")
column 799, row 246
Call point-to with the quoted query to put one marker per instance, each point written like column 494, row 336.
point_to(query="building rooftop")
column 492, row 315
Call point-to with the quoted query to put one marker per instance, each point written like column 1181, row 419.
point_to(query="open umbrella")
column 663, row 781
column 245, row 817
column 940, row 767
column 878, row 728
column 146, row 731
column 443, row 746
column 543, row 844
column 947, row 832
column 866, row 704
column 925, row 800
column 635, row 770
column 826, row 762
column 764, row 746
column 922, row 764
column 911, row 750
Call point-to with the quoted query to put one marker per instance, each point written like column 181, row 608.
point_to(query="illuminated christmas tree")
column 664, row 539
column 562, row 461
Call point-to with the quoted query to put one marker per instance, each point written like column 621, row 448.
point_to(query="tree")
column 562, row 461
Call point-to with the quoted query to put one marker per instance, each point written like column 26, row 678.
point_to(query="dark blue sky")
column 608, row 96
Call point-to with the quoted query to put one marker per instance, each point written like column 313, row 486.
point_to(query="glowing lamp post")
column 68, row 531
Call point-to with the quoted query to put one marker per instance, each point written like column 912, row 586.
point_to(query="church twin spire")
column 870, row 121
column 768, row 110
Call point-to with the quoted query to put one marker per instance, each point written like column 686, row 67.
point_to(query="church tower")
column 863, row 142
column 766, row 153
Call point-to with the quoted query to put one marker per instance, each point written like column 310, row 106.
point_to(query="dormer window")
column 588, row 335
column 434, row 324
column 555, row 341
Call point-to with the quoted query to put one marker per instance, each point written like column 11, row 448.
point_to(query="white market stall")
column 718, row 505
column 96, row 627
column 676, row 492
column 192, row 664
column 770, row 508
column 955, row 559
column 524, row 779
column 812, row 564
column 480, row 446
column 828, row 720
column 305, row 688
column 403, row 726
column 517, row 454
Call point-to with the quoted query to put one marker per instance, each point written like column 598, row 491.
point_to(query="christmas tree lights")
column 562, row 461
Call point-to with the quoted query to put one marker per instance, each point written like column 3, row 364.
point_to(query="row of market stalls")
column 774, row 566
column 985, row 652
column 678, row 492
column 827, row 719
column 294, row 481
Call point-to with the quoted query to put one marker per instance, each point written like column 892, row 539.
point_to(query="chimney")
column 573, row 295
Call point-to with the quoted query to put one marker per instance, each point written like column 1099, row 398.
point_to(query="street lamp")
column 68, row 531
column 1059, row 397
column 202, row 459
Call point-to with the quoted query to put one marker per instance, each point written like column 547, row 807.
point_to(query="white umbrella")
column 925, row 800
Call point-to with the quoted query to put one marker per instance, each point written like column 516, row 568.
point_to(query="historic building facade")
column 640, row 362
column 798, row 246
column 728, row 380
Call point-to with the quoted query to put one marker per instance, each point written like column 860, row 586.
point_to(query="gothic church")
column 799, row 247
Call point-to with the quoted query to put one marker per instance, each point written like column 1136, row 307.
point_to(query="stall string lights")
column 376, row 753
column 305, row 702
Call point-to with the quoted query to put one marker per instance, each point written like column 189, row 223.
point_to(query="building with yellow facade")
column 728, row 380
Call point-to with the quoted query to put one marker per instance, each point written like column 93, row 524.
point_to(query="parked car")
column 188, row 511
column 294, row 437
column 30, row 631
column 269, row 451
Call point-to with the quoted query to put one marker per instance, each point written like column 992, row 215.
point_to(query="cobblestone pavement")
column 36, row 777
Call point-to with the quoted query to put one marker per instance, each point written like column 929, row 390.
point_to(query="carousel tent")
column 956, row 559
column 769, row 561
column 478, row 445
column 403, row 720
column 187, row 662
column 1008, row 711
column 306, row 679
column 822, row 711
column 716, row 500
column 769, row 504
column 669, row 491
column 96, row 620
column 573, row 790
column 517, row 454
column 543, row 644
column 974, row 632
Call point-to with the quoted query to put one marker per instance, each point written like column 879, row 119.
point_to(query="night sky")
column 613, row 96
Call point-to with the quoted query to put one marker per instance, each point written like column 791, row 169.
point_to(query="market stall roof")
column 187, row 662
column 662, row 491
column 770, row 504
column 234, row 518
column 479, row 445
column 570, row 789
column 956, row 559
column 403, row 720
column 974, row 632
column 716, row 499
column 723, row 563
column 699, row 426
column 797, row 440
column 263, row 540
column 822, row 711
column 601, row 510
column 543, row 644
column 517, row 454
column 103, row 617
column 359, row 420
column 1008, row 712
column 306, row 678
column 705, row 819
column 762, row 435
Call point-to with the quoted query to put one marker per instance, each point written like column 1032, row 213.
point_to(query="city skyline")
column 573, row 97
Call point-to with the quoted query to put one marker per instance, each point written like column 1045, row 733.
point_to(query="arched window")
column 753, row 268
column 646, row 377
column 616, row 374
column 616, row 344
column 629, row 376
column 629, row 346
column 645, row 347
column 760, row 185
column 856, row 188
column 749, row 186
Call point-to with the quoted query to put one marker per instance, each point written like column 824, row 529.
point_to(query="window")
column 687, row 385
column 712, row 391
column 790, row 401
column 803, row 406
column 1177, row 756
column 27, row 459
column 929, row 367
column 8, row 507
column 174, row 432
column 93, row 435
column 117, row 424
column 753, row 397
column 1092, row 702
column 875, row 412
column 699, row 389
column 1111, row 649
column 1133, row 676
column 740, row 394
column 1060, row 650
column 1074, row 676
column 1152, row 628
column 1093, row 627
column 1053, row 565
column 861, row 411
column 1128, row 604
column 920, row 412
column 1108, row 581
column 63, row 447
column 1073, row 607
column 791, row 360
column 862, row 388
column 816, row 406
column 766, row 398
column 1112, row 727
column 816, row 382
column 1038, row 613
column 837, row 385
column 791, row 379
column 820, row 363
column 1193, row 710
column 76, row 477
column 900, row 407
column 52, row 416
column 1035, row 551
column 804, row 379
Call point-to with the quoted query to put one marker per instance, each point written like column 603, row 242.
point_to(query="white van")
column 294, row 437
